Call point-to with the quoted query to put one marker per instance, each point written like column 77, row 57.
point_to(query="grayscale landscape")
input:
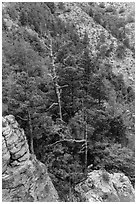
column 68, row 102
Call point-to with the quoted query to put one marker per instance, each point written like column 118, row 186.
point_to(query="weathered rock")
column 104, row 187
column 24, row 178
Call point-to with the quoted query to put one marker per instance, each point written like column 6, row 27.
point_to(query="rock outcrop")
column 24, row 178
column 104, row 187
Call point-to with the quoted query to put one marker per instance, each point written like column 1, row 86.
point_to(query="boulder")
column 105, row 187
column 24, row 178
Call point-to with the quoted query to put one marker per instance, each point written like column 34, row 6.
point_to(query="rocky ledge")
column 24, row 178
column 100, row 186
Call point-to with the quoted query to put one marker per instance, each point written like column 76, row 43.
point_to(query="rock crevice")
column 24, row 178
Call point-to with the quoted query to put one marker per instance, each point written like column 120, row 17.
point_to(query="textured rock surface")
column 24, row 178
column 104, row 187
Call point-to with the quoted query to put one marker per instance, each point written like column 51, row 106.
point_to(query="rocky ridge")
column 24, row 178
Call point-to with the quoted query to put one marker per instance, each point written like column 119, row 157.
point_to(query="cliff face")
column 24, row 178
column 104, row 187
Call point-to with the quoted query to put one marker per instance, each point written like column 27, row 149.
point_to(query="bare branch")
column 53, row 104
column 63, row 86
column 47, row 46
column 50, row 75
column 53, row 78
column 43, row 41
column 22, row 118
column 66, row 140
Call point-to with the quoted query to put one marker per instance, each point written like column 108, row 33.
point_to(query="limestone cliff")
column 24, row 178
column 104, row 187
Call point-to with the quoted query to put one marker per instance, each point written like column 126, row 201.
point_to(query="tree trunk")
column 99, row 98
column 70, row 194
column 86, row 147
column 54, row 77
column 85, row 136
column 31, row 135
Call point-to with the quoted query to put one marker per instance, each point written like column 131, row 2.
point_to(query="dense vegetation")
column 110, row 19
column 74, row 110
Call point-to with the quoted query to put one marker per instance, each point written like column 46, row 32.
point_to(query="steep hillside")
column 68, row 78
column 78, row 15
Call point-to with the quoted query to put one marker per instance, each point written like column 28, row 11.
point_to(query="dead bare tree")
column 86, row 146
column 54, row 78
column 31, row 133
column 53, row 73
column 85, row 134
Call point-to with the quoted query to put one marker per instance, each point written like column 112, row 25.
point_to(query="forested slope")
column 68, row 78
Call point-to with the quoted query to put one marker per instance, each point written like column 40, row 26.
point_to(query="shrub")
column 130, row 19
column 4, row 26
column 91, row 3
column 120, row 51
column 61, row 6
column 90, row 12
column 97, row 18
column 110, row 9
column 102, row 5
column 12, row 11
column 121, row 10
column 105, row 177
column 52, row 6
column 126, row 43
